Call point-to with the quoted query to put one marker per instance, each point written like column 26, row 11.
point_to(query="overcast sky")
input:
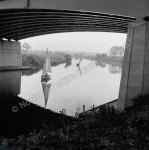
column 77, row 41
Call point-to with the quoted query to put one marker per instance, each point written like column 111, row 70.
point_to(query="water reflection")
column 68, row 63
column 100, row 63
column 113, row 67
column 10, row 83
column 46, row 90
column 80, row 71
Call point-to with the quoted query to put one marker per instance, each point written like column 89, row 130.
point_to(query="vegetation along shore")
column 106, row 129
column 36, row 59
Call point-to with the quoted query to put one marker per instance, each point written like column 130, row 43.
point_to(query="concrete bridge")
column 21, row 19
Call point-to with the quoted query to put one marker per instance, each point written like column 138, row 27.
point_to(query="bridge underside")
column 18, row 24
column 21, row 23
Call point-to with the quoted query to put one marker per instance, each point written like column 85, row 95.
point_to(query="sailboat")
column 46, row 69
column 78, row 64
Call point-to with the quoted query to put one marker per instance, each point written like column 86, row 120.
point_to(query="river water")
column 68, row 89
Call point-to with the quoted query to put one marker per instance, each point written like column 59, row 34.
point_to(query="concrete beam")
column 10, row 53
column 135, row 70
column 132, row 8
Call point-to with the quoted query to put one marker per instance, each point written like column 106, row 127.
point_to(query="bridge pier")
column 10, row 54
column 135, row 71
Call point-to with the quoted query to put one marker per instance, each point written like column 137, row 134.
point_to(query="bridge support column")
column 135, row 71
column 10, row 54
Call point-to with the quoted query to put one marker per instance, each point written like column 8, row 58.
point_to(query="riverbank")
column 99, row 57
column 36, row 59
column 102, row 130
column 113, row 59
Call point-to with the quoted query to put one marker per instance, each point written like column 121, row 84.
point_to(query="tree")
column 117, row 50
column 26, row 46
column 68, row 57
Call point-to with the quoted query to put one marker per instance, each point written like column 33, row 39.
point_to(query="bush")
column 140, row 100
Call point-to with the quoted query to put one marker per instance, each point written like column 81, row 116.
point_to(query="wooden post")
column 83, row 108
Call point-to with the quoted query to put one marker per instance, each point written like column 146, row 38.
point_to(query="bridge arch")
column 18, row 24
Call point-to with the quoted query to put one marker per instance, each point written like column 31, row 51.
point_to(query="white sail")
column 47, row 65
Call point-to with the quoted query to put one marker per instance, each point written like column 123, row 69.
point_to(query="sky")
column 77, row 41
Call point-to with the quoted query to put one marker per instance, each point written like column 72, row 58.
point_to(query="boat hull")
column 45, row 78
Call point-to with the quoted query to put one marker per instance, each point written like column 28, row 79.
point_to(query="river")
column 97, row 84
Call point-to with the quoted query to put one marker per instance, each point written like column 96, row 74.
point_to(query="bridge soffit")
column 133, row 8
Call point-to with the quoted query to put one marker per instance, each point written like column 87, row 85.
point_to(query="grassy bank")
column 109, row 59
column 114, row 59
column 102, row 130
